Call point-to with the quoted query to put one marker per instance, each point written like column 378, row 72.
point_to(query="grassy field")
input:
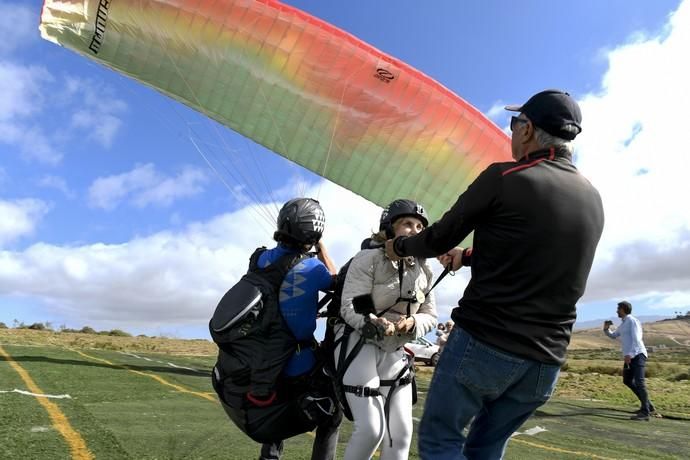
column 151, row 399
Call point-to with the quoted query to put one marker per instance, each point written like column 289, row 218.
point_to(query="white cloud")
column 97, row 111
column 31, row 95
column 673, row 300
column 17, row 26
column 57, row 183
column 168, row 278
column 21, row 90
column 23, row 99
column 497, row 112
column 32, row 142
column 175, row 279
column 19, row 218
column 144, row 186
column 186, row 183
column 632, row 149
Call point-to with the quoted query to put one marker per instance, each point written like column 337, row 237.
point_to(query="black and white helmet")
column 301, row 220
column 401, row 208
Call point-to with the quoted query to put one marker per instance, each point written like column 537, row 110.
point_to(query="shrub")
column 87, row 330
column 3, row 325
column 602, row 369
column 37, row 327
column 119, row 333
column 107, row 346
column 681, row 376
column 653, row 370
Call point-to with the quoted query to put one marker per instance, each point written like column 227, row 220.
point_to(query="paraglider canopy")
column 297, row 85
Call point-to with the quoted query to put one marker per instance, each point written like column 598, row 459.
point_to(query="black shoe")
column 640, row 417
column 652, row 410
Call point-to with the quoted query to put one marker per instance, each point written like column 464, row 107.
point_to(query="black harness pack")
column 254, row 345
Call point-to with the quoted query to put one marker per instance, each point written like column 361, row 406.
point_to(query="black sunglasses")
column 514, row 120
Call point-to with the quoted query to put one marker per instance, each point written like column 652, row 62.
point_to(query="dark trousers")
column 324, row 446
column 633, row 378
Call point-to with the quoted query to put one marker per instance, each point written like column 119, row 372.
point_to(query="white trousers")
column 370, row 367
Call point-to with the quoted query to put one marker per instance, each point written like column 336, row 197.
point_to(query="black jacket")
column 536, row 226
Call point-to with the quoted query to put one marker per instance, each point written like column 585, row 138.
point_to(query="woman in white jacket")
column 377, row 382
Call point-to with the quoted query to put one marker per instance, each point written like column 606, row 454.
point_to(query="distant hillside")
column 579, row 325
column 195, row 347
column 669, row 332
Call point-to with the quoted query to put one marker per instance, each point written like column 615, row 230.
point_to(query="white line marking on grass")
column 28, row 393
column 161, row 362
column 417, row 419
column 39, row 429
column 138, row 357
column 181, row 367
column 531, row 431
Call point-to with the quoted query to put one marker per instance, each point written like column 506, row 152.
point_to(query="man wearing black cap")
column 536, row 223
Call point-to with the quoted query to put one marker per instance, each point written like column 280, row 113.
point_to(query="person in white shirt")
column 634, row 356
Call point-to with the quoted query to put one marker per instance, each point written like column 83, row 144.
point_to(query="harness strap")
column 411, row 300
column 366, row 392
column 395, row 383
column 362, row 391
column 345, row 361
column 445, row 272
column 401, row 382
column 328, row 296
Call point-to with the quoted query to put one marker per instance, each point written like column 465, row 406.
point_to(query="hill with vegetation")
column 665, row 333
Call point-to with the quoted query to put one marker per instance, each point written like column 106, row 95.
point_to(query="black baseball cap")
column 554, row 111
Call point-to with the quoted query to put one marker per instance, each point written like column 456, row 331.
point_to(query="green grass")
column 122, row 414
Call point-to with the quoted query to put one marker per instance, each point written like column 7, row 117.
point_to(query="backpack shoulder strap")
column 264, row 376
column 280, row 267
column 288, row 261
column 254, row 258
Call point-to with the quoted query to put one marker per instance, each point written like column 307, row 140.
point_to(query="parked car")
column 424, row 351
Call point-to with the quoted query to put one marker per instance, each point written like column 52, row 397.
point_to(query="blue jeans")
column 633, row 378
column 472, row 379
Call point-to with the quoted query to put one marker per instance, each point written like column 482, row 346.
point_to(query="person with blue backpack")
column 269, row 376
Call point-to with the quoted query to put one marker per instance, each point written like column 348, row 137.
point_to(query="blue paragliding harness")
column 254, row 345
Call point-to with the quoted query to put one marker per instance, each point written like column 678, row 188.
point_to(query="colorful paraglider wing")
column 295, row 84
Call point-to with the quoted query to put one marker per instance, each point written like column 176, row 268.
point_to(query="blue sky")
column 110, row 217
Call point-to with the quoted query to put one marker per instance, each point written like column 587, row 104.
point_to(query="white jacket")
column 371, row 272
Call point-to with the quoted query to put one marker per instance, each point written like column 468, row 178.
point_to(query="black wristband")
column 397, row 246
